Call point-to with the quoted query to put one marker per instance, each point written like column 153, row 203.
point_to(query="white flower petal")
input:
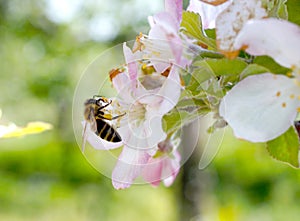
column 128, row 167
column 232, row 19
column 273, row 37
column 171, row 168
column 170, row 91
column 207, row 12
column 124, row 87
column 97, row 142
column 261, row 107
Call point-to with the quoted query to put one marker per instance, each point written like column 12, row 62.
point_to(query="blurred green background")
column 45, row 47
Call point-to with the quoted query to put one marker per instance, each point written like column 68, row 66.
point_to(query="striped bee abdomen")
column 107, row 132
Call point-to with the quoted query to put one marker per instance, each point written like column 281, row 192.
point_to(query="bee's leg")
column 116, row 117
column 110, row 117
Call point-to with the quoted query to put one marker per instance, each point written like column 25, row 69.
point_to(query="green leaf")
column 293, row 8
column 270, row 64
column 285, row 147
column 192, row 27
column 211, row 68
column 183, row 115
column 277, row 9
column 253, row 69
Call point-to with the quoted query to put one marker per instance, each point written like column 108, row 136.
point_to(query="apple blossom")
column 145, row 98
column 262, row 107
column 163, row 43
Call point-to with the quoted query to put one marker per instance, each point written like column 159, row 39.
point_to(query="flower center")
column 136, row 115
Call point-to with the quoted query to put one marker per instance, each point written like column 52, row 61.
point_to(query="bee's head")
column 91, row 101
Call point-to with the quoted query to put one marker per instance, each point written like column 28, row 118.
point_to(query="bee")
column 95, row 114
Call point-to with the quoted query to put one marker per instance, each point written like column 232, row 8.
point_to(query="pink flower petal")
column 131, row 60
column 124, row 86
column 273, row 37
column 152, row 171
column 171, row 168
column 174, row 8
column 261, row 107
column 128, row 167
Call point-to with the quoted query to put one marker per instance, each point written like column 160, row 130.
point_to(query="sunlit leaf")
column 270, row 64
column 293, row 8
column 285, row 147
column 253, row 69
column 277, row 8
column 192, row 27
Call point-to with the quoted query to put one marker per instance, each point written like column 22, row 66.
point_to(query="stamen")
column 278, row 93
column 283, row 104
column 292, row 96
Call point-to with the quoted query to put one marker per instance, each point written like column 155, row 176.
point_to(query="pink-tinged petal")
column 128, row 167
column 279, row 39
column 170, row 91
column 152, row 171
column 174, row 8
column 131, row 61
column 153, row 127
column 261, row 107
column 166, row 21
column 232, row 19
column 171, row 167
column 124, row 87
column 207, row 12
column 142, row 135
column 96, row 142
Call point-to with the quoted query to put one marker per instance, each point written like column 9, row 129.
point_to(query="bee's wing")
column 84, row 137
column 93, row 125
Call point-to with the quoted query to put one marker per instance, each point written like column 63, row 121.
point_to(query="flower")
column 145, row 98
column 164, row 165
column 262, row 107
column 163, row 45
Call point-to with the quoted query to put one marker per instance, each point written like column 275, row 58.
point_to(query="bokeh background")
column 45, row 46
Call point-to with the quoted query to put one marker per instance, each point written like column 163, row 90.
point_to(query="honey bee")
column 95, row 114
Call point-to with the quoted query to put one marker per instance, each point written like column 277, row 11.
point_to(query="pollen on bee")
column 278, row 93
column 283, row 104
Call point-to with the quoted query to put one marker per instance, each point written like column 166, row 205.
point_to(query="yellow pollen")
column 289, row 74
column 278, row 93
column 298, row 109
column 283, row 104
column 139, row 45
column 292, row 96
column 298, row 97
column 293, row 67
